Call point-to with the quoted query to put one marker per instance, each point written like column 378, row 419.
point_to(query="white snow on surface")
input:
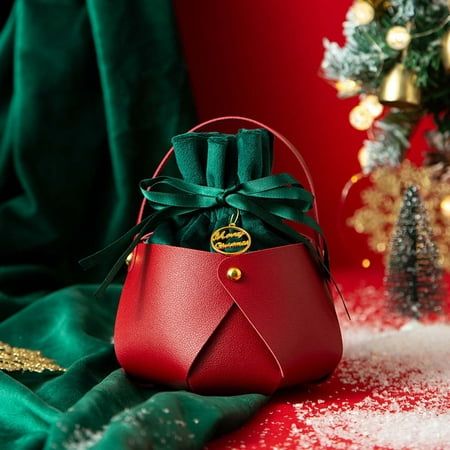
column 417, row 354
column 366, row 429
column 403, row 376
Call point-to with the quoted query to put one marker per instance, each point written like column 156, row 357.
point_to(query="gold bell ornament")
column 445, row 50
column 399, row 88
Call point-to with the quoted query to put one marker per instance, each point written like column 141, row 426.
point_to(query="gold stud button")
column 129, row 258
column 234, row 274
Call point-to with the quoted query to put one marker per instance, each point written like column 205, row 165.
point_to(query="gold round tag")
column 230, row 239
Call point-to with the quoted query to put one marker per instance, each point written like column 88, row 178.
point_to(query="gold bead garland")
column 372, row 104
column 347, row 88
column 360, row 118
column 362, row 12
column 398, row 37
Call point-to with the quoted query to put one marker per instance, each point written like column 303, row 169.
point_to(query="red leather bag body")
column 183, row 321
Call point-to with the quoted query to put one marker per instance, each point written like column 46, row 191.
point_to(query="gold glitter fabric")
column 14, row 359
column 381, row 206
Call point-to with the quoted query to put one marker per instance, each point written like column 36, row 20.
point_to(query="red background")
column 261, row 58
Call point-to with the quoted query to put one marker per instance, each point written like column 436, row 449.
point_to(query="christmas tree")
column 396, row 54
column 413, row 276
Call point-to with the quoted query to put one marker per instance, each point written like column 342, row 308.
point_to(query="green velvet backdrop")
column 90, row 93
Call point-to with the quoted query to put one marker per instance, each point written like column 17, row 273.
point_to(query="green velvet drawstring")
column 271, row 199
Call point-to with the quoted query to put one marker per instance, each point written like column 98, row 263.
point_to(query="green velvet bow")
column 272, row 199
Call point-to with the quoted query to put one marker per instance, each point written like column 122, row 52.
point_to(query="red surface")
column 181, row 321
column 278, row 424
column 261, row 59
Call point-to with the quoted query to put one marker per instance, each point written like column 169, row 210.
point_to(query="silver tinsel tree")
column 413, row 275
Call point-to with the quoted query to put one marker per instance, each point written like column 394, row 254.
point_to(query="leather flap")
column 285, row 299
column 171, row 304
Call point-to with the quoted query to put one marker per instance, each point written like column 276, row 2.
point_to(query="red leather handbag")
column 227, row 323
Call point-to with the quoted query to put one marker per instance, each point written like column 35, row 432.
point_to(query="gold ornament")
column 231, row 239
column 399, row 88
column 445, row 206
column 362, row 157
column 398, row 37
column 445, row 50
column 234, row 274
column 381, row 204
column 129, row 259
column 14, row 359
column 360, row 118
column 372, row 104
column 362, row 12
column 347, row 88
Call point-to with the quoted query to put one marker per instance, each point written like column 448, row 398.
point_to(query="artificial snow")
column 405, row 376
column 366, row 429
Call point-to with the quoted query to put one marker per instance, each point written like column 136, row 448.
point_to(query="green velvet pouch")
column 222, row 161
column 225, row 181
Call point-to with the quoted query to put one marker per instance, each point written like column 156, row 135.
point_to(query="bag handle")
column 319, row 239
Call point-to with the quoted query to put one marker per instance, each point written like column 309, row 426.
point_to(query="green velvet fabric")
column 91, row 91
column 222, row 161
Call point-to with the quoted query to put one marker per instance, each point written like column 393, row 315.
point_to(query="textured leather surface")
column 182, row 322
column 170, row 305
column 284, row 298
column 234, row 361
